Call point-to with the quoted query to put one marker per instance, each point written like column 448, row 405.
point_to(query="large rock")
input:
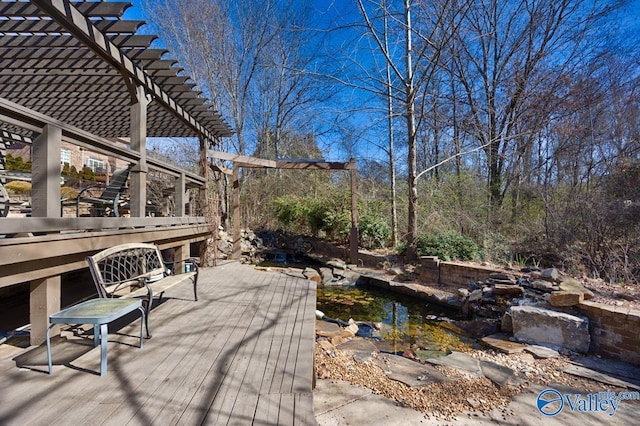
column 508, row 290
column 565, row 298
column 550, row 328
column 550, row 274
column 312, row 274
column 573, row 285
column 327, row 275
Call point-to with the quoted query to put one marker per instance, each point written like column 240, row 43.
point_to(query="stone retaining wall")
column 450, row 274
column 614, row 330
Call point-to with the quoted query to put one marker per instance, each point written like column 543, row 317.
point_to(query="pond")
column 402, row 323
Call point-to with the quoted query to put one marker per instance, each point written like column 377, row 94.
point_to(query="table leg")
column 103, row 349
column 96, row 335
column 49, row 348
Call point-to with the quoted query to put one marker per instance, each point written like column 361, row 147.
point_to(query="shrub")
column 375, row 232
column 18, row 187
column 448, row 246
column 67, row 193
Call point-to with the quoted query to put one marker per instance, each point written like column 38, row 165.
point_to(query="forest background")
column 507, row 131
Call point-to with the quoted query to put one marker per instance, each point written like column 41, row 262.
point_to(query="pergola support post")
column 44, row 300
column 353, row 237
column 45, row 173
column 138, row 192
column 180, row 195
column 236, row 211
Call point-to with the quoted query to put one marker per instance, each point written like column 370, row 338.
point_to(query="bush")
column 18, row 187
column 375, row 232
column 308, row 214
column 448, row 246
column 17, row 163
column 67, row 193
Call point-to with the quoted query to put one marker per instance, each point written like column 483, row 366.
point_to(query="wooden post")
column 44, row 300
column 236, row 211
column 183, row 252
column 138, row 191
column 353, row 238
column 45, row 173
column 180, row 195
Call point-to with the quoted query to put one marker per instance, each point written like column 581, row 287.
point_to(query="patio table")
column 99, row 312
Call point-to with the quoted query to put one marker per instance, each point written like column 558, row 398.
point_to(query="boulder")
column 351, row 276
column 542, row 285
column 337, row 263
column 550, row 328
column 312, row 274
column 572, row 285
column 565, row 298
column 506, row 325
column 508, row 290
column 326, row 274
column 550, row 274
column 503, row 277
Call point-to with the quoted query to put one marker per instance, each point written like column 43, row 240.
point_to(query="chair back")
column 116, row 185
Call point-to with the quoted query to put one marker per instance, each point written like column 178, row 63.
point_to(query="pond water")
column 404, row 323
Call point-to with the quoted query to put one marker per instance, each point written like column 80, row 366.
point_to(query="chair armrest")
column 96, row 185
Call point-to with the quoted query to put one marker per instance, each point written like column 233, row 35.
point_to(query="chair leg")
column 195, row 287
column 147, row 310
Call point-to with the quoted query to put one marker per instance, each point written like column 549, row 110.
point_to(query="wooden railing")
column 35, row 248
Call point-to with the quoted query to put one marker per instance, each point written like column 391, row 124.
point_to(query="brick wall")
column 614, row 330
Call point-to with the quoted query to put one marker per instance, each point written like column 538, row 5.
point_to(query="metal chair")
column 107, row 203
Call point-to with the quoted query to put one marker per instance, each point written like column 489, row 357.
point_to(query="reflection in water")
column 403, row 322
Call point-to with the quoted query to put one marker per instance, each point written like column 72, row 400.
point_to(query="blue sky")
column 628, row 31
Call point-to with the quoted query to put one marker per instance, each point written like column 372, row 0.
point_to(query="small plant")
column 520, row 260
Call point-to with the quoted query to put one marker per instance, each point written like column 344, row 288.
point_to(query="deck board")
column 242, row 354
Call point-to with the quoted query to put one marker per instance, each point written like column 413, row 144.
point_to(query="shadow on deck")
column 243, row 354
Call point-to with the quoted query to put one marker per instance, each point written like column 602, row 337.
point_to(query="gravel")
column 464, row 393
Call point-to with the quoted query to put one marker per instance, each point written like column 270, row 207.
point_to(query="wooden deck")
column 242, row 354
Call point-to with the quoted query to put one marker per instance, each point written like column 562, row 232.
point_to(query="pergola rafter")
column 82, row 61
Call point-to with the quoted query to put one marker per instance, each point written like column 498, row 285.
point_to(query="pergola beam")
column 66, row 15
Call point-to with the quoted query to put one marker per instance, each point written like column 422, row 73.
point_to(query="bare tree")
column 414, row 72
column 510, row 58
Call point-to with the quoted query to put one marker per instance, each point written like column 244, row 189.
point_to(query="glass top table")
column 98, row 312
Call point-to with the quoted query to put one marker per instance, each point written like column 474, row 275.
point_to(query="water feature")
column 401, row 323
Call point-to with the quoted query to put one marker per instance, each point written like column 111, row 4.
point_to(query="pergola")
column 78, row 72
column 81, row 64
column 240, row 161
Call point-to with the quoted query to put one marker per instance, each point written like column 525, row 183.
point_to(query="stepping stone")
column 327, row 329
column 460, row 361
column 411, row 373
column 587, row 373
column 501, row 343
column 361, row 349
column 499, row 374
column 618, row 369
column 542, row 352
